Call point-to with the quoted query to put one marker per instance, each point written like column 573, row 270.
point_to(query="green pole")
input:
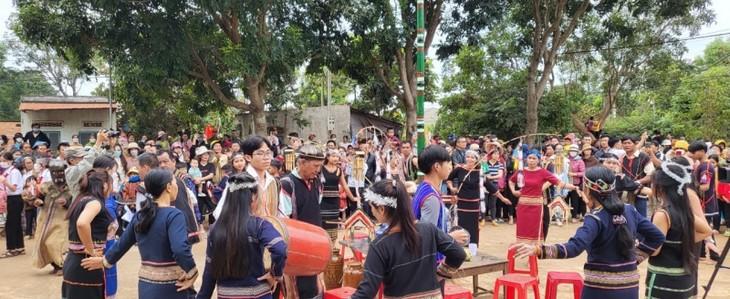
column 420, row 70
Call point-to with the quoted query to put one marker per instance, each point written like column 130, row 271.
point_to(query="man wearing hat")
column 162, row 138
column 577, row 169
column 81, row 161
column 35, row 134
column 299, row 199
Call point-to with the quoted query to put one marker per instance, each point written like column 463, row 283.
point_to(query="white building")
column 61, row 117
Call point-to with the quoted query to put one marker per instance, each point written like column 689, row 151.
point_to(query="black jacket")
column 30, row 139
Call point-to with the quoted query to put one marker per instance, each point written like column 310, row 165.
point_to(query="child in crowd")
column 195, row 172
column 30, row 194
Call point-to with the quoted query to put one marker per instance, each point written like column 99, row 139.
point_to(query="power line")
column 646, row 44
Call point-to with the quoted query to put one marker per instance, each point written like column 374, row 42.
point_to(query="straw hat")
column 202, row 150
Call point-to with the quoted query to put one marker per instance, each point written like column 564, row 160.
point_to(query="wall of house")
column 317, row 117
column 61, row 124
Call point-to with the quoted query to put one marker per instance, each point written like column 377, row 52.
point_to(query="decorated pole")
column 420, row 74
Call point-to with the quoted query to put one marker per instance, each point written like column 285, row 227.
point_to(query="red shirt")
column 534, row 180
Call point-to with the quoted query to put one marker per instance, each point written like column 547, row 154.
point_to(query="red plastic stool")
column 518, row 282
column 339, row 293
column 452, row 291
column 555, row 278
column 511, row 265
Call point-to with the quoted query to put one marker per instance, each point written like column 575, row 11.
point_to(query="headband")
column 380, row 200
column 599, row 185
column 234, row 186
column 602, row 159
column 683, row 180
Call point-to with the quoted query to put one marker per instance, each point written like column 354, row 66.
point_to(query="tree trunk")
column 531, row 113
column 411, row 117
column 256, row 94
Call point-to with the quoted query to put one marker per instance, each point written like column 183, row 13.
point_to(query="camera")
column 112, row 134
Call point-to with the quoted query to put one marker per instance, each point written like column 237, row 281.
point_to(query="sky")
column 695, row 46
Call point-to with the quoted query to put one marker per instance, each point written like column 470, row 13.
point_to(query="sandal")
column 19, row 251
column 7, row 254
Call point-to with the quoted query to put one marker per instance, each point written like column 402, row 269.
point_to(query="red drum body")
column 308, row 247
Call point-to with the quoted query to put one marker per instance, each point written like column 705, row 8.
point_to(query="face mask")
column 573, row 154
column 36, row 130
column 75, row 140
column 36, row 167
column 92, row 140
column 4, row 165
column 19, row 140
column 134, row 152
column 117, row 154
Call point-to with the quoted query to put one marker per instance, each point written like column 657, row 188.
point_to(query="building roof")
column 36, row 106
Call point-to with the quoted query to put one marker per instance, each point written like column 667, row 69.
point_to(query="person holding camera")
column 81, row 161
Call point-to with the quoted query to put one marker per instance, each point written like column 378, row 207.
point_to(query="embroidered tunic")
column 165, row 254
column 52, row 227
column 607, row 273
column 388, row 260
column 666, row 277
column 262, row 235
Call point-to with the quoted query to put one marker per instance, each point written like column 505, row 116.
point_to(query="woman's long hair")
column 155, row 182
column 613, row 204
column 229, row 237
column 402, row 215
column 680, row 214
column 91, row 185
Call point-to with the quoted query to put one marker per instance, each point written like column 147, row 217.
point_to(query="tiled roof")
column 34, row 106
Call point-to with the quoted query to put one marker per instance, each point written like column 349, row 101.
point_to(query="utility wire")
column 646, row 44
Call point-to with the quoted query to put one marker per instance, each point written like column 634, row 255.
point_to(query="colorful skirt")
column 330, row 210
column 529, row 220
column 79, row 282
column 157, row 280
column 468, row 212
column 663, row 282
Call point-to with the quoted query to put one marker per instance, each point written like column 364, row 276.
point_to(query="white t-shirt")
column 14, row 177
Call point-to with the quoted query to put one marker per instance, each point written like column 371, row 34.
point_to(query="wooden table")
column 481, row 264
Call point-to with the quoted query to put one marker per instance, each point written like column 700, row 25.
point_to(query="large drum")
column 308, row 247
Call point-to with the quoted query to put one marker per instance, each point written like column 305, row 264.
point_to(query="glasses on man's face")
column 263, row 153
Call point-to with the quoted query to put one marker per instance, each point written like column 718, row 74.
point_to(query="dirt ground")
column 19, row 280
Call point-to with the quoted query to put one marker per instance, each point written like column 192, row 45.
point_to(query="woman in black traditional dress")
column 333, row 180
column 671, row 273
column 89, row 224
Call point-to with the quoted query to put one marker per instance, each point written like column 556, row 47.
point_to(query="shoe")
column 201, row 194
column 500, row 221
column 482, row 223
column 28, row 237
column 727, row 233
column 9, row 253
column 511, row 221
column 488, row 218
column 495, row 223
column 573, row 220
column 560, row 223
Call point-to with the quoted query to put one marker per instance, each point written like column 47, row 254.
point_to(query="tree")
column 626, row 44
column 44, row 60
column 383, row 44
column 544, row 27
column 17, row 83
column 159, row 47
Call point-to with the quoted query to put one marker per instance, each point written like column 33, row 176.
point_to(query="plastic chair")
column 339, row 293
column 452, row 291
column 555, row 278
column 511, row 269
column 519, row 282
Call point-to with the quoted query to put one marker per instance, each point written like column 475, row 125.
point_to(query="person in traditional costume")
column 623, row 182
column 88, row 225
column 234, row 263
column 299, row 199
column 405, row 247
column 333, row 180
column 608, row 235
column 671, row 273
column 530, row 211
column 110, row 275
column 52, row 229
column 168, row 268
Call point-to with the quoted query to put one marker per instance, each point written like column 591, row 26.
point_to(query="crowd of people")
column 655, row 198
